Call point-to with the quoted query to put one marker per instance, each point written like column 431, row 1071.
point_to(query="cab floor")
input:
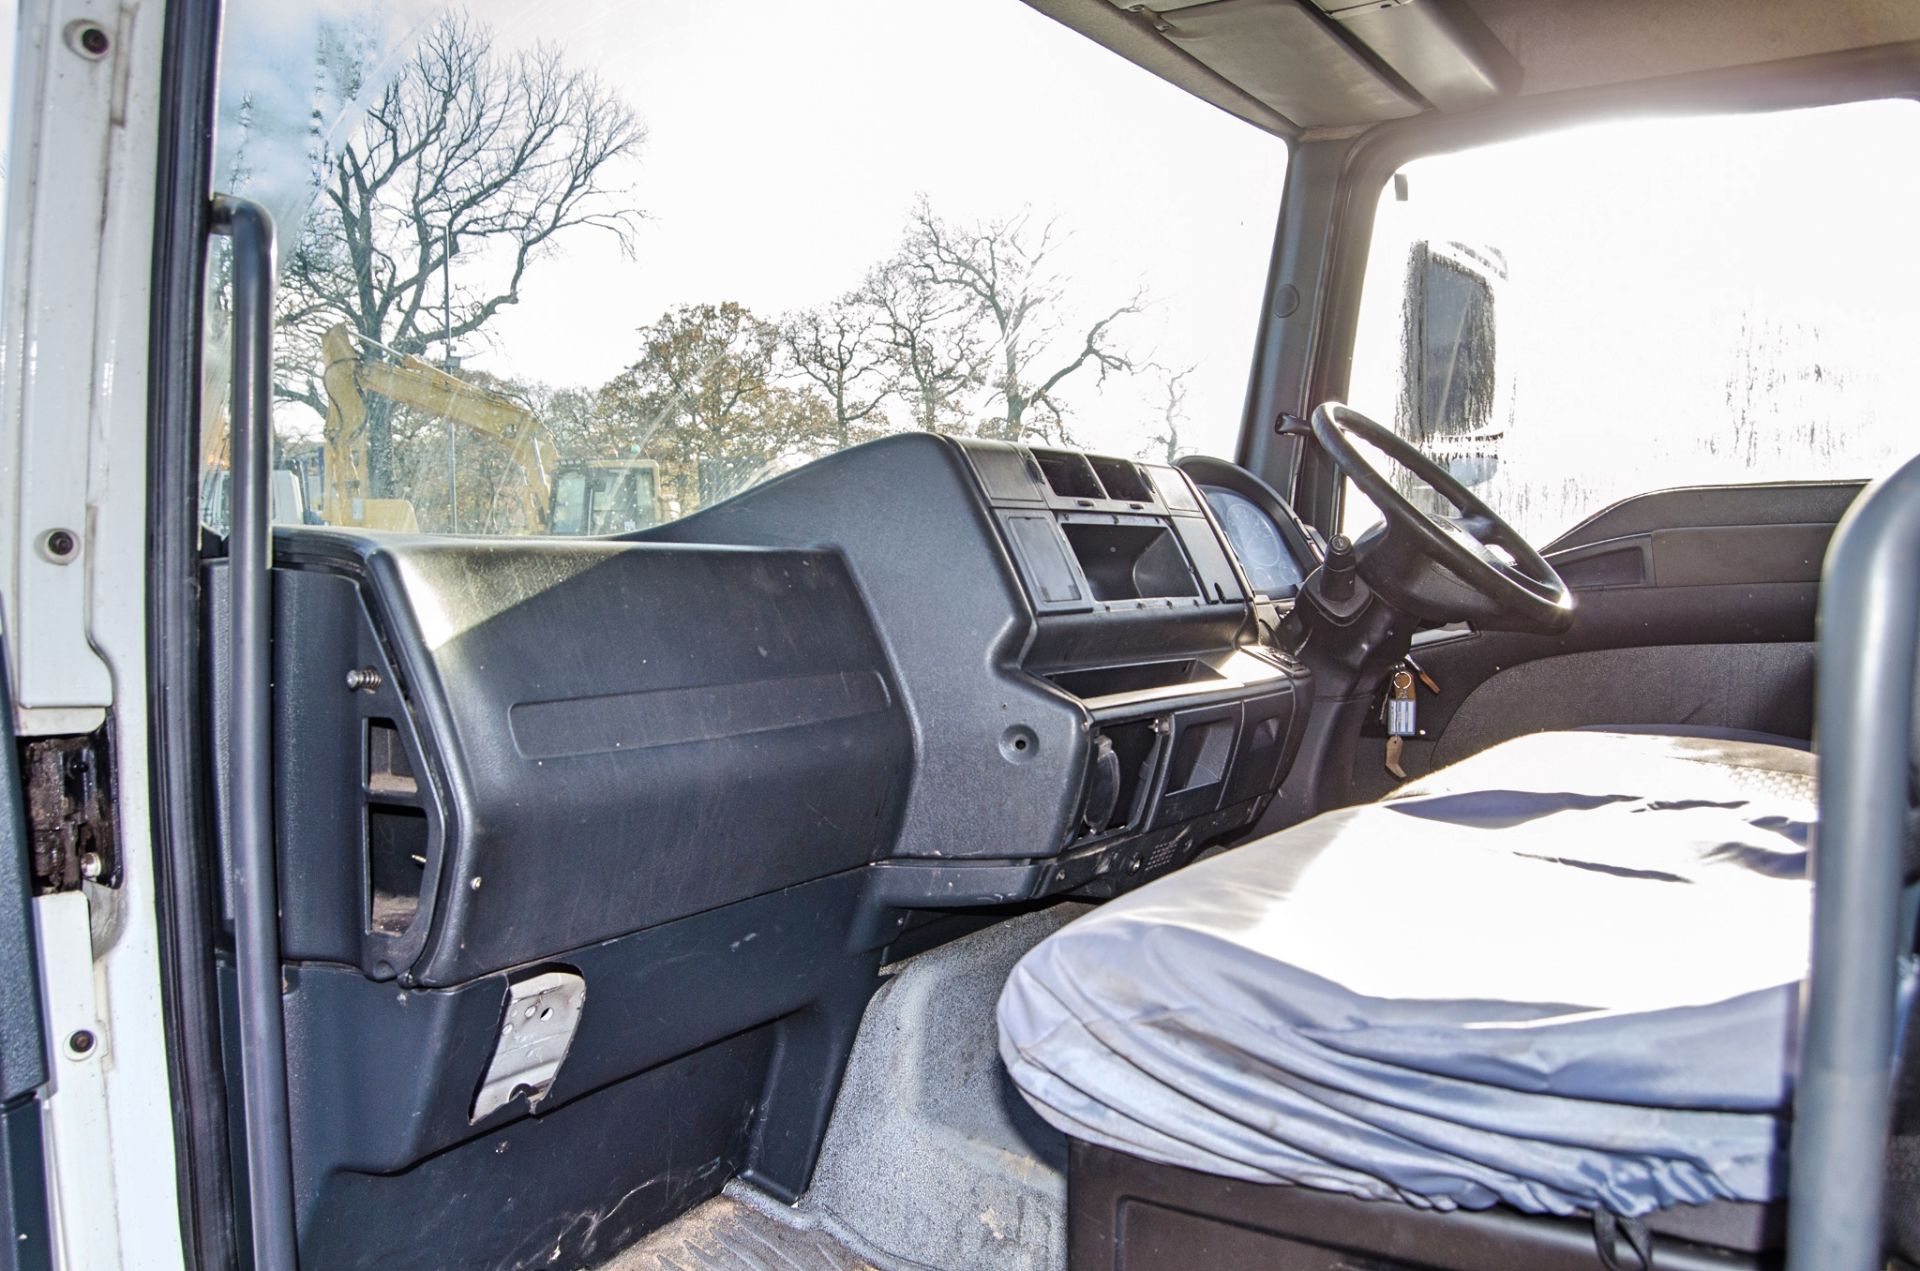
column 932, row 1161
column 725, row 1234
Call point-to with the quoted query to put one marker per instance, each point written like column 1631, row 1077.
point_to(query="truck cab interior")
column 1388, row 841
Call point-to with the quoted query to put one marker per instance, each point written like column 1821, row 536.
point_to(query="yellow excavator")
column 555, row 496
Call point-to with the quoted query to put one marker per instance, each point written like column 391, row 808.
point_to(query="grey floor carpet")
column 932, row 1158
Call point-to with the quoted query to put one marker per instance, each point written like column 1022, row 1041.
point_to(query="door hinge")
column 70, row 822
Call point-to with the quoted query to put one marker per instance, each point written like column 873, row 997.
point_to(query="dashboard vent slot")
column 1123, row 480
column 1070, row 475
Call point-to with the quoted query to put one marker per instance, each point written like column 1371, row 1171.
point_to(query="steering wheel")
column 1471, row 567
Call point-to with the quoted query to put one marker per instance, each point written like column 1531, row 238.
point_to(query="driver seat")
column 1560, row 976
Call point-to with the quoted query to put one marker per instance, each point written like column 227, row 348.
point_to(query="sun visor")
column 1327, row 63
column 1285, row 54
column 1439, row 47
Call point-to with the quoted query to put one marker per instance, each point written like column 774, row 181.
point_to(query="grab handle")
column 256, row 926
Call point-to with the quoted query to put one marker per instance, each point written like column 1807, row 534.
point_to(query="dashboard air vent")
column 1070, row 475
column 1123, row 480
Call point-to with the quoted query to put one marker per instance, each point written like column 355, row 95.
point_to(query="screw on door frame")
column 59, row 546
column 89, row 39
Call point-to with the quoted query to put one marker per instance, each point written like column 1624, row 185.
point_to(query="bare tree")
column 1002, row 271
column 468, row 154
column 937, row 358
column 838, row 350
column 1173, row 410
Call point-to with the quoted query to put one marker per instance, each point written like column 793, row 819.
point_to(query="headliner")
column 1303, row 66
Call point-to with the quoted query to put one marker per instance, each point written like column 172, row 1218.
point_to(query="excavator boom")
column 412, row 382
column 595, row 496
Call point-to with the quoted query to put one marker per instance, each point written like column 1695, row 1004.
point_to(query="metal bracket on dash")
column 536, row 1030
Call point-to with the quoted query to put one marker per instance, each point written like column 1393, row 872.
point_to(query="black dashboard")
column 722, row 771
column 979, row 672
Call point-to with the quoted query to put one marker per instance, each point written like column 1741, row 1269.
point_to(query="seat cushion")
column 1710, row 732
column 1561, row 974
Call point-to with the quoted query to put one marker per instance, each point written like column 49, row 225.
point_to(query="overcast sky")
column 787, row 141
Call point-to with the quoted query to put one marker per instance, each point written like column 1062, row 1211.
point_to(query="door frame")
column 85, row 132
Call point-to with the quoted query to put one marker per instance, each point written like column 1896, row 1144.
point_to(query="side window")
column 1575, row 318
column 554, row 277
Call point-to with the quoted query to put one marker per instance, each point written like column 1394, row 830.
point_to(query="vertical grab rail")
column 263, row 1051
column 1869, row 631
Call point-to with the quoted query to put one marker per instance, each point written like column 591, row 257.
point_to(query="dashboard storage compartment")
column 1122, row 480
column 1200, row 754
column 1129, row 558
column 1105, row 681
column 397, row 839
column 1069, row 474
column 1120, row 773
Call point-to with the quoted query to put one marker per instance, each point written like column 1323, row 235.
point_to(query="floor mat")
column 725, row 1234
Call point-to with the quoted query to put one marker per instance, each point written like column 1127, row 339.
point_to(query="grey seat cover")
column 1561, row 974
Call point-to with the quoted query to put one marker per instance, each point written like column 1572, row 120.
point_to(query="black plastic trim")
column 1714, row 507
column 708, row 1046
column 23, row 1055
column 1292, row 316
column 605, row 735
column 183, row 861
column 1128, row 1214
column 26, row 1232
column 1206, row 471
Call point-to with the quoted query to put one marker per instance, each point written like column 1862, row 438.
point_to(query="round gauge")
column 1252, row 533
column 1256, row 541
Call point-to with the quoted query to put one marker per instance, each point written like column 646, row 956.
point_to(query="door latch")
column 69, row 798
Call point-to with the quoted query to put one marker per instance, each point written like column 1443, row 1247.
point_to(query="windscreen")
column 583, row 268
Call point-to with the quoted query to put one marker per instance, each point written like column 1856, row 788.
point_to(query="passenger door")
column 1671, row 369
